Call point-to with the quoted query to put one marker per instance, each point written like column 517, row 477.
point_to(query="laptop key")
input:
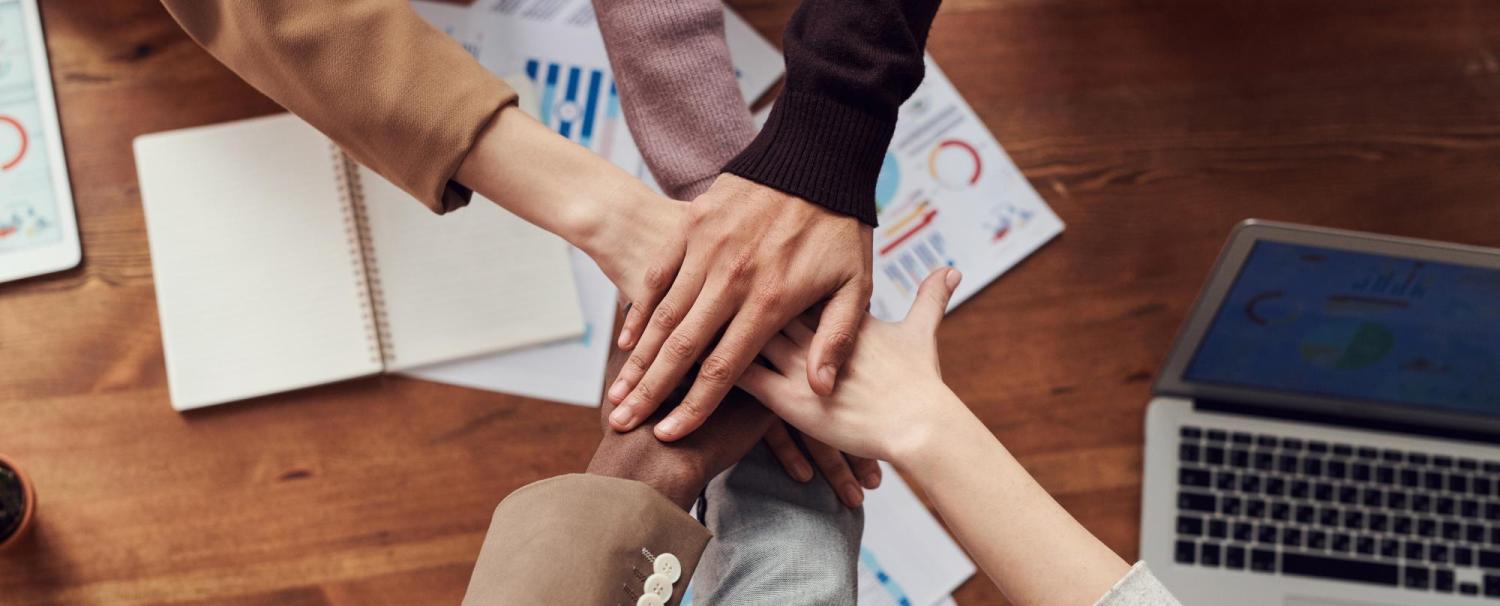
column 1234, row 557
column 1266, row 533
column 1287, row 463
column 1305, row 513
column 1442, row 580
column 1192, row 476
column 1354, row 519
column 1360, row 472
column 1433, row 480
column 1401, row 524
column 1492, row 586
column 1189, row 432
column 1339, row 542
column 1481, row 486
column 1328, row 517
column 1218, row 529
column 1217, row 435
column 1190, row 526
column 1373, row 497
column 1299, row 489
column 1463, row 556
column 1437, row 553
column 1409, row 477
column 1323, row 567
column 1426, row 527
column 1348, row 494
column 1263, row 560
column 1468, row 508
column 1275, row 486
column 1317, row 539
column 1385, row 474
column 1421, row 503
column 1414, row 550
column 1195, row 501
column 1390, row 548
column 1323, row 491
column 1239, row 458
column 1467, row 588
column 1336, row 470
column 1264, row 460
column 1185, row 552
column 1229, row 506
column 1209, row 555
column 1378, row 522
column 1450, row 530
column 1291, row 537
column 1489, row 559
column 1213, row 455
column 1458, row 483
column 1415, row 577
column 1226, row 480
column 1255, row 508
column 1280, row 511
column 1364, row 544
column 1188, row 452
column 1492, row 511
column 1243, row 531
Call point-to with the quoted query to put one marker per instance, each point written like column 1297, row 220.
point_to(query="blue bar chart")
column 578, row 102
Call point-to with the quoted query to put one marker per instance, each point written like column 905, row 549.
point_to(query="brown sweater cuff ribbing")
column 820, row 150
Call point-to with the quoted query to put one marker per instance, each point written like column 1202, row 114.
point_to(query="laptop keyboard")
column 1271, row 504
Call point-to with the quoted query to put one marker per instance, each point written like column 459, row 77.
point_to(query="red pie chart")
column 8, row 163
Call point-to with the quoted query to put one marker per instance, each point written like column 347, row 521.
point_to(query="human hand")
column 839, row 470
column 755, row 258
column 892, row 395
column 679, row 470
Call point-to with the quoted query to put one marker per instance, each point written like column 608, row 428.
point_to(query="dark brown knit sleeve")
column 849, row 66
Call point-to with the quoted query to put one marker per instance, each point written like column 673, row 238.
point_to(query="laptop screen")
column 1359, row 326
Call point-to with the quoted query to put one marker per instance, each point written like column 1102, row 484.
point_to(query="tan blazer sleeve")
column 582, row 539
column 399, row 96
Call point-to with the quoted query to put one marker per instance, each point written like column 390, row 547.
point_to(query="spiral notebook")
column 280, row 264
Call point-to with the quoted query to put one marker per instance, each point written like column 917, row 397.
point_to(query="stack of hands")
column 708, row 286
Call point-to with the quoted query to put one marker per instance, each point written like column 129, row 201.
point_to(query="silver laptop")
column 1326, row 430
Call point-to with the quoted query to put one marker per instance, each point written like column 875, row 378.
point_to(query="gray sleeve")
column 1138, row 588
column 777, row 541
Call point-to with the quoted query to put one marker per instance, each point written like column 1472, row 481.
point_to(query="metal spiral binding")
column 362, row 249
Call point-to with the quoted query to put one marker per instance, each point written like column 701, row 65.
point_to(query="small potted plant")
column 17, row 503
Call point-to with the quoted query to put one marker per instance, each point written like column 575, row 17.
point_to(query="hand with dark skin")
column 679, row 470
column 755, row 259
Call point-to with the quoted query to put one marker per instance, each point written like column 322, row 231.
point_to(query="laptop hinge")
column 1337, row 421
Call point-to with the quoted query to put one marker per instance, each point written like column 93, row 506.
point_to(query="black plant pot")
column 17, row 503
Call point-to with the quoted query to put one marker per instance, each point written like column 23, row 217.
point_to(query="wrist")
column 676, row 478
column 943, row 416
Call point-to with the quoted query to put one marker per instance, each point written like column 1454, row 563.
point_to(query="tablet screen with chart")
column 1370, row 327
column 29, row 206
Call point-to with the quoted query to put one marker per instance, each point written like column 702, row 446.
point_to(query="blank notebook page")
column 256, row 281
column 474, row 281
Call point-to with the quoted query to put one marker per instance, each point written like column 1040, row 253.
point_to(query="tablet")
column 38, row 233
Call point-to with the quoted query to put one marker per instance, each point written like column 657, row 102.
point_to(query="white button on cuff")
column 659, row 585
column 667, row 565
column 650, row 599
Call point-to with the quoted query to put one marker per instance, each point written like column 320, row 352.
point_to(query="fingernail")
column 872, row 481
column 801, row 472
column 617, row 392
column 952, row 279
column 620, row 417
column 624, row 338
column 853, row 496
column 826, row 374
column 668, row 428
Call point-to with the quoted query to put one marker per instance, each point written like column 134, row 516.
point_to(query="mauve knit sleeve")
column 849, row 66
column 677, row 88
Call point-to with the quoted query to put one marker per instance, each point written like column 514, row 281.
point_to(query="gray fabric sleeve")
column 777, row 541
column 1138, row 588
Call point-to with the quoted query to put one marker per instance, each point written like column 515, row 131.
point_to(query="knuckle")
column 841, row 343
column 717, row 370
column 636, row 363
column 666, row 316
column 643, row 396
column 679, row 346
column 657, row 278
column 741, row 265
column 691, row 408
column 770, row 297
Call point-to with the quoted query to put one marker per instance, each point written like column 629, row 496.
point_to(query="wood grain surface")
column 1151, row 126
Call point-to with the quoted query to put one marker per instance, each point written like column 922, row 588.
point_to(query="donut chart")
column 7, row 122
column 955, row 164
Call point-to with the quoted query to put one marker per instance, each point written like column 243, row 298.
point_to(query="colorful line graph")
column 578, row 102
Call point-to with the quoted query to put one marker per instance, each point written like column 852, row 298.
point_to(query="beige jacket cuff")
column 582, row 539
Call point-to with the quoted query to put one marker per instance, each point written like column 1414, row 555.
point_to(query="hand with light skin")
column 755, row 258
column 892, row 404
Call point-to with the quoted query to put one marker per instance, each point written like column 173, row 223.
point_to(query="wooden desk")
column 1150, row 126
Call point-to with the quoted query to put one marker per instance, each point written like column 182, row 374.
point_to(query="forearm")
column 551, row 182
column 677, row 87
column 849, row 66
column 1027, row 543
